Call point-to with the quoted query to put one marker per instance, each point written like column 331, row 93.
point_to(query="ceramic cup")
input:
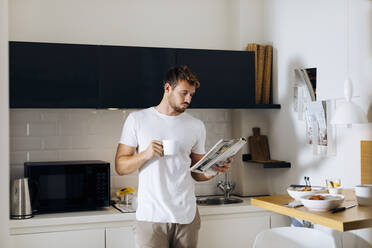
column 335, row 191
column 170, row 147
column 363, row 193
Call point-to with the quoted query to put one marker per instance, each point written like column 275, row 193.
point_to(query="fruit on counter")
column 332, row 184
column 124, row 191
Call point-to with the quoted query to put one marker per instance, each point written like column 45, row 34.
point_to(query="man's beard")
column 177, row 108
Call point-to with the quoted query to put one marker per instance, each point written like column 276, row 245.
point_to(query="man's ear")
column 167, row 87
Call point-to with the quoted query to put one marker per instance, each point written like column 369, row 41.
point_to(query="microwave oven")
column 65, row 186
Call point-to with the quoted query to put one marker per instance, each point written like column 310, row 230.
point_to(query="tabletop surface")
column 351, row 219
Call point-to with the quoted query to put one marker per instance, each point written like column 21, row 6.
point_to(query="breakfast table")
column 350, row 219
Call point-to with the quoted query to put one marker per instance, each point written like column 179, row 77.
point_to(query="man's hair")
column 178, row 73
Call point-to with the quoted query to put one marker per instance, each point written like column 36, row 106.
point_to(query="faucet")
column 227, row 187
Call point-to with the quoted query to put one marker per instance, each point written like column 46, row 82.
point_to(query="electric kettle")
column 20, row 203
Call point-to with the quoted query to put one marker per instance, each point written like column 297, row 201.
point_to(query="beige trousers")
column 167, row 235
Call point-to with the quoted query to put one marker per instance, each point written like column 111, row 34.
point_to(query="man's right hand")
column 154, row 149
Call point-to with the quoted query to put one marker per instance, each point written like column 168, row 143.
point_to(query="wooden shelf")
column 267, row 164
column 266, row 106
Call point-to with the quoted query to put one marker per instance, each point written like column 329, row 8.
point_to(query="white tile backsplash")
column 19, row 115
column 17, row 171
column 89, row 134
column 43, row 155
column 50, row 115
column 82, row 142
column 78, row 115
column 76, row 154
column 17, row 129
column 11, row 143
column 206, row 189
column 27, row 144
column 42, row 129
column 124, row 181
column 72, row 128
column 17, row 157
column 57, row 142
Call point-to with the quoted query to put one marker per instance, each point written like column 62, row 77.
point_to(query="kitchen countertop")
column 351, row 219
column 99, row 218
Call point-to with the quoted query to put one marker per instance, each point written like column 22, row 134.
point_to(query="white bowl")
column 330, row 202
column 363, row 194
column 297, row 193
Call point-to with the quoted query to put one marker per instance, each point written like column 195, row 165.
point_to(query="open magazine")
column 221, row 151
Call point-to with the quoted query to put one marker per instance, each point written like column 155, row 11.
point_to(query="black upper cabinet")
column 49, row 75
column 132, row 77
column 226, row 77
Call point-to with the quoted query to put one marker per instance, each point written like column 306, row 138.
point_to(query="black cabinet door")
column 49, row 75
column 226, row 77
column 132, row 77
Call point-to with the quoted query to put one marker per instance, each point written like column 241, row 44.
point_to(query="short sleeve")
column 129, row 132
column 199, row 147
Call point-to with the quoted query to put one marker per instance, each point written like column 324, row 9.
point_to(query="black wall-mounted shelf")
column 264, row 106
column 267, row 164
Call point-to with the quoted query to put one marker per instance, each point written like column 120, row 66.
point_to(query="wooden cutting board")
column 259, row 146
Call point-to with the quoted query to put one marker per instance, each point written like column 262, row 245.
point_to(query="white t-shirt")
column 166, row 187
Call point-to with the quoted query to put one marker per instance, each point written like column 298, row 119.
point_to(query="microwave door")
column 68, row 186
column 61, row 188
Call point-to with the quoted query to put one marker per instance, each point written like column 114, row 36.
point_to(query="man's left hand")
column 223, row 166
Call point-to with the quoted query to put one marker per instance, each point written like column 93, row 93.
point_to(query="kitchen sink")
column 217, row 200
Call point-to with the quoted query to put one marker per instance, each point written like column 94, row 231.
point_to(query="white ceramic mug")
column 363, row 193
column 170, row 147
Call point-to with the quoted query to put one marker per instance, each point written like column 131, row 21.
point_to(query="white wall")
column 4, row 126
column 312, row 34
column 162, row 23
column 251, row 22
column 307, row 34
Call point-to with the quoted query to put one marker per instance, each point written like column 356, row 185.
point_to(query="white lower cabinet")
column 217, row 231
column 231, row 230
column 94, row 238
column 119, row 237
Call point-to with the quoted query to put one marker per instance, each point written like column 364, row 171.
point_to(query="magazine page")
column 221, row 151
column 310, row 88
column 316, row 117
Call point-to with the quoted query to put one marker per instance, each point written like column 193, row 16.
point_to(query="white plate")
column 330, row 202
column 297, row 193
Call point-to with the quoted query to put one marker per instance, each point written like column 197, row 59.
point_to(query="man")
column 167, row 215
